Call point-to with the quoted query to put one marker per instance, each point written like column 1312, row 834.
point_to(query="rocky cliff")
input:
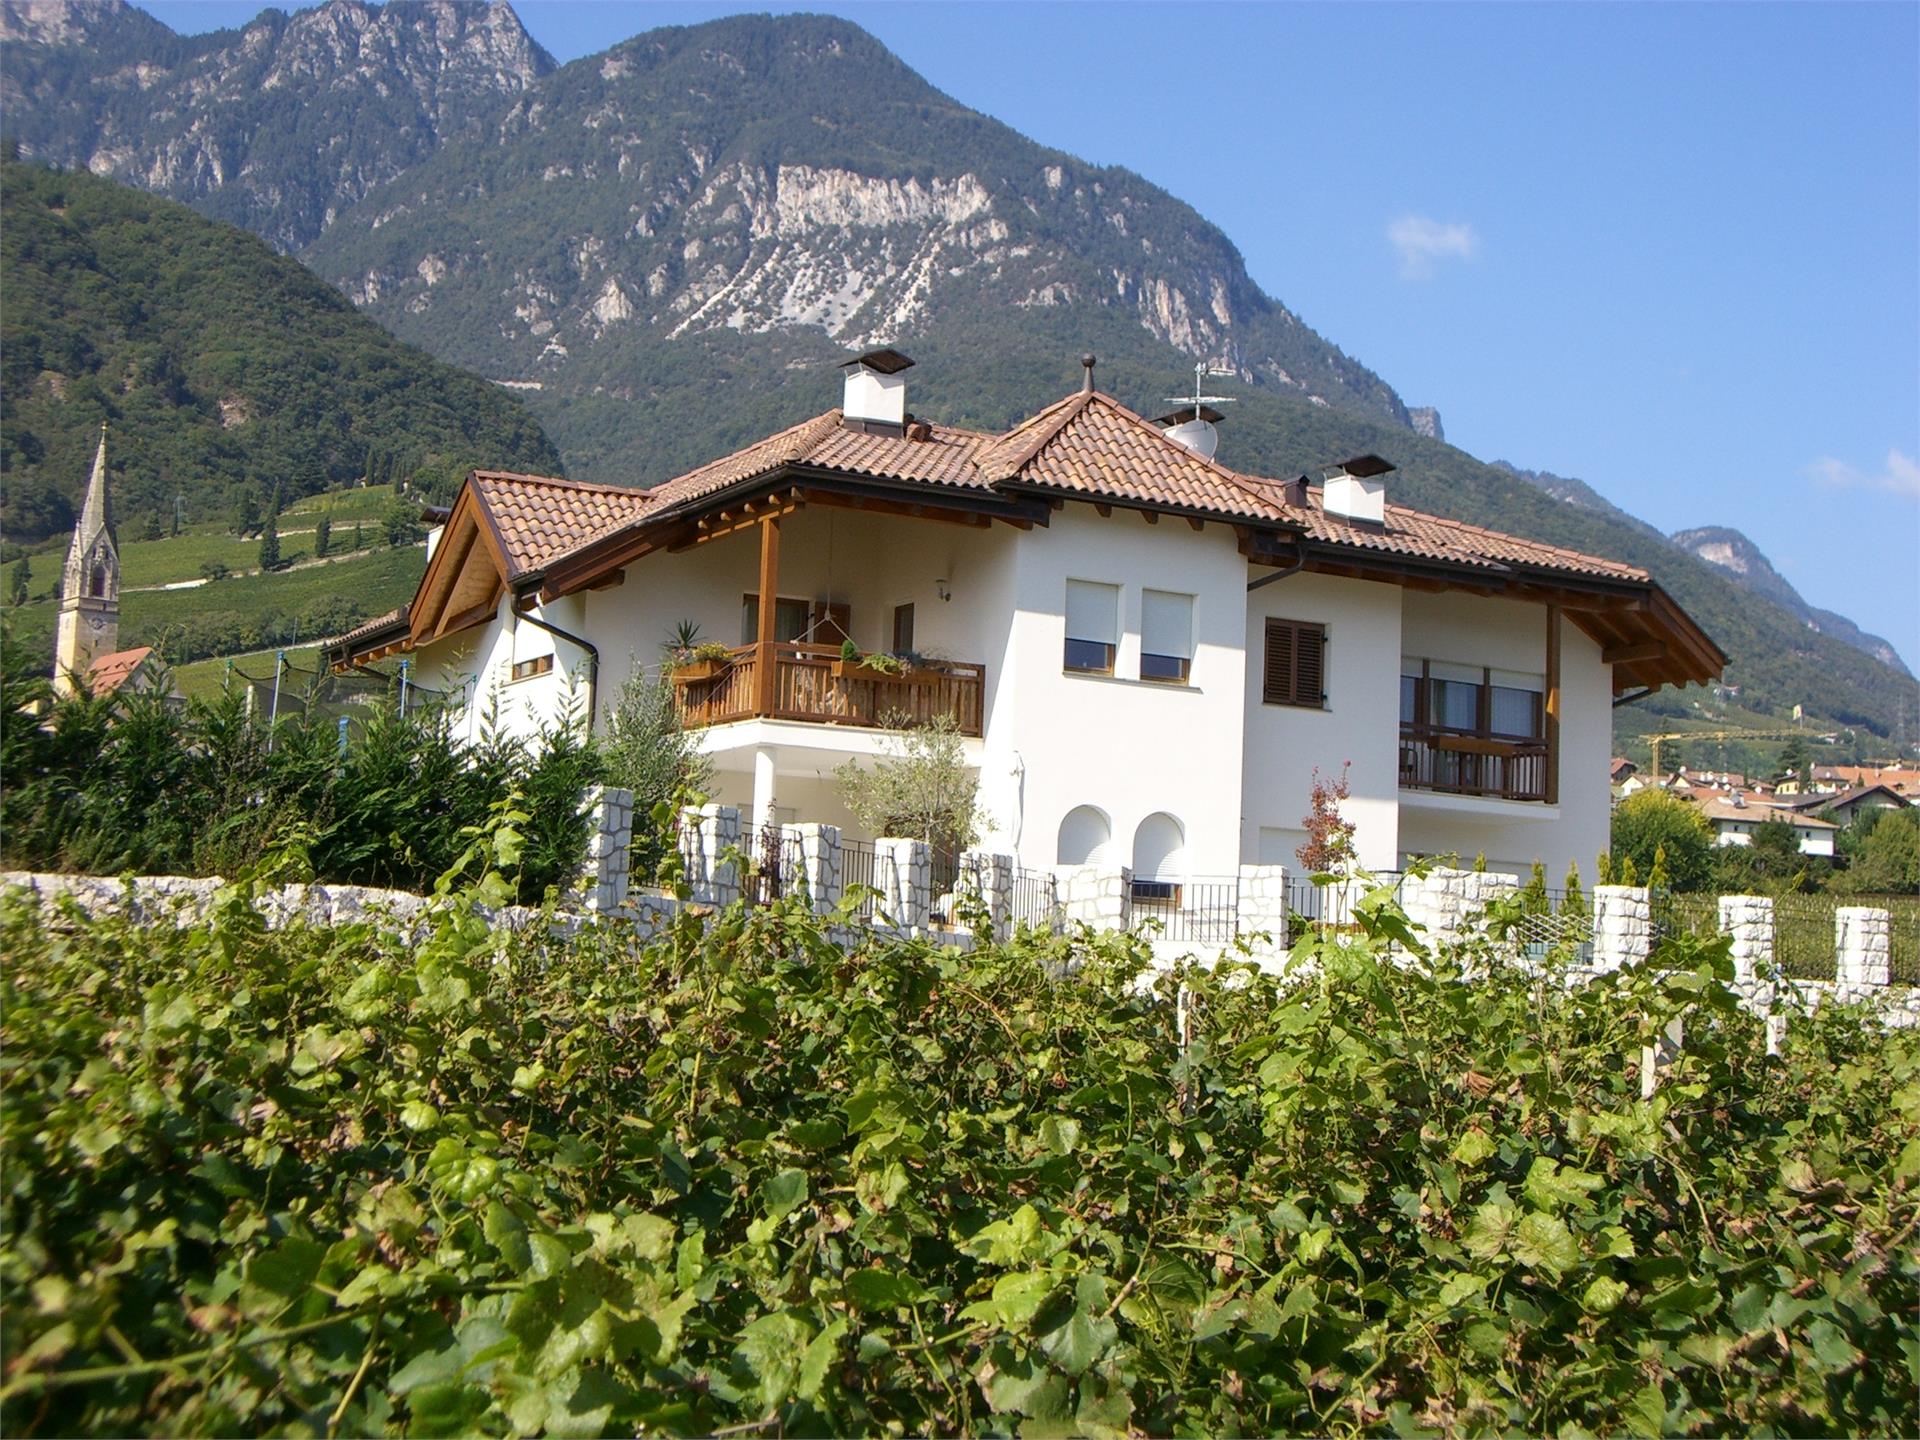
column 277, row 126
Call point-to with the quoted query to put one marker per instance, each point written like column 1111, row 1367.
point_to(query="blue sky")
column 1672, row 250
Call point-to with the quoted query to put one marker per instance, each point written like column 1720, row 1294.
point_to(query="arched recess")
column 1160, row 848
column 1086, row 836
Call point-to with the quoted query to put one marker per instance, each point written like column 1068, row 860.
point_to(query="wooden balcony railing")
column 807, row 684
column 1457, row 764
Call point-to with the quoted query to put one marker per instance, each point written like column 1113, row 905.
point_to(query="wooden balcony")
column 809, row 683
column 1455, row 764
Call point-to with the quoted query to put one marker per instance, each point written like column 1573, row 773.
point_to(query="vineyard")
column 740, row 1181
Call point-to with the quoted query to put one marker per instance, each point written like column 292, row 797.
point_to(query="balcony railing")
column 811, row 683
column 1455, row 764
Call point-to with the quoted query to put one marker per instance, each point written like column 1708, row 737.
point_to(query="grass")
column 209, row 677
column 377, row 579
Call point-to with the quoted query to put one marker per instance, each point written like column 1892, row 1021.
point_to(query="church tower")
column 89, row 624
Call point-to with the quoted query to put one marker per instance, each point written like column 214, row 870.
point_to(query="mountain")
column 1734, row 553
column 218, row 365
column 1726, row 550
column 276, row 126
column 667, row 248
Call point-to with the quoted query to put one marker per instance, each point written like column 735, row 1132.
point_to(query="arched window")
column 97, row 582
column 1160, row 848
column 1086, row 835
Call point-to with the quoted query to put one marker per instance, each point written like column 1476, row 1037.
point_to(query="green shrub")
column 737, row 1180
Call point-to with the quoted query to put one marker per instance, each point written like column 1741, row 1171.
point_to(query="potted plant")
column 699, row 662
column 876, row 665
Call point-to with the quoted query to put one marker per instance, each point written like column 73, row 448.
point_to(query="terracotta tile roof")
column 108, row 673
column 371, row 627
column 1093, row 446
column 538, row 518
column 1758, row 813
column 1086, row 445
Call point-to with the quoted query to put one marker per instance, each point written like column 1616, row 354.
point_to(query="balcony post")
column 1553, row 705
column 764, row 680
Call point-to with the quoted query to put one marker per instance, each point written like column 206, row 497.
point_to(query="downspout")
column 593, row 653
column 1282, row 573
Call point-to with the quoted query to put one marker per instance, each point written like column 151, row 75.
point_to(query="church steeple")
column 89, row 623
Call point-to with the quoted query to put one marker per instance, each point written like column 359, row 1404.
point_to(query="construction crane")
column 1658, row 740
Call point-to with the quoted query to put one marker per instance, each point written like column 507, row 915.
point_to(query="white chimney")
column 876, row 393
column 1355, row 490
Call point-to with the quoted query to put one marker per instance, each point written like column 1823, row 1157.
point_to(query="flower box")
column 861, row 670
column 696, row 670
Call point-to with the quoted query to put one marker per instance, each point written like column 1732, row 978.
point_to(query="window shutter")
column 1295, row 671
column 1310, row 665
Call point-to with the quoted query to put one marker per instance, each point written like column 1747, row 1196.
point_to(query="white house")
column 1735, row 818
column 1150, row 653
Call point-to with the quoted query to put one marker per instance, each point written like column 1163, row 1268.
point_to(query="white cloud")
column 1900, row 475
column 1423, row 242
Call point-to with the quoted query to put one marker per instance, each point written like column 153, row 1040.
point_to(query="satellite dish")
column 1194, row 423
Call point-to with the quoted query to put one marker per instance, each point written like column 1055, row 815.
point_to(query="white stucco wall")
column 1512, row 635
column 480, row 661
column 1359, row 723
column 1133, row 748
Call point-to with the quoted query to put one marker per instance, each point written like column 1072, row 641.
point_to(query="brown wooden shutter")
column 1277, row 688
column 1295, row 670
column 1310, row 665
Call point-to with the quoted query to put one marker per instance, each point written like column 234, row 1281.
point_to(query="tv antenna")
column 1192, row 424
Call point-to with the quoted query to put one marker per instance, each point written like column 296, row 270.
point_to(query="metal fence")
column 1033, row 901
column 276, row 689
column 776, row 865
column 1803, row 939
column 860, row 878
column 1193, row 911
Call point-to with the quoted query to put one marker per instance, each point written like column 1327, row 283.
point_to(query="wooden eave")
column 469, row 572
column 1655, row 641
column 785, row 487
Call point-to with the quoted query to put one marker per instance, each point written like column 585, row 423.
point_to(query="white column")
column 1622, row 925
column 1862, row 939
column 706, row 834
column 604, row 868
column 905, row 880
column 1096, row 895
column 1263, row 904
column 764, row 757
column 1747, row 921
column 820, row 864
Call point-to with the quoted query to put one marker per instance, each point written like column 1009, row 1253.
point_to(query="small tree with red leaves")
column 1329, row 847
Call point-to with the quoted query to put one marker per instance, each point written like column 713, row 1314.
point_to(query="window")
column 1472, row 700
column 903, row 629
column 1296, row 667
column 790, row 619
column 1166, row 636
column 1085, row 834
column 527, row 669
column 1093, row 626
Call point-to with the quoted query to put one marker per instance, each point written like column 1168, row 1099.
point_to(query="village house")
column 1150, row 654
column 1735, row 818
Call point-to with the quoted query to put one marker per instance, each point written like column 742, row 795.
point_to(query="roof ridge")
column 1246, row 483
column 1047, row 422
column 599, row 486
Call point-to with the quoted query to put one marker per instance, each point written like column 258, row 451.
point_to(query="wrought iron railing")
column 1188, row 910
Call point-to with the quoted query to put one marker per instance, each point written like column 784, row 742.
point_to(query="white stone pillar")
column 904, row 877
column 1622, row 925
column 820, row 871
column 1263, row 904
column 604, row 871
column 1437, row 902
column 1862, row 947
column 985, row 880
column 1096, row 895
column 1747, row 921
column 706, row 835
column 764, row 774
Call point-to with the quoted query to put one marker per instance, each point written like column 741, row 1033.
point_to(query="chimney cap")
column 1361, row 467
column 886, row 361
column 1185, row 414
